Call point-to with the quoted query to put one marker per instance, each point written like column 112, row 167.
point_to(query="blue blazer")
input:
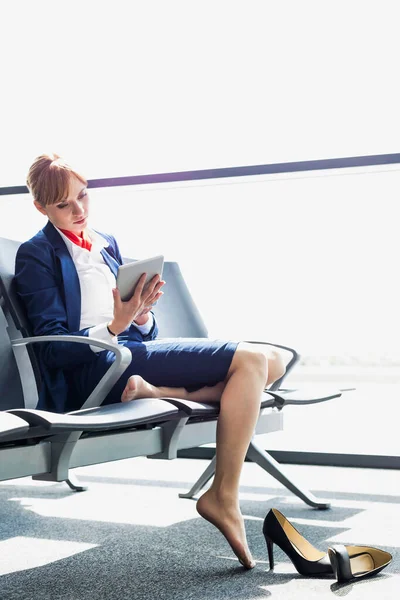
column 48, row 284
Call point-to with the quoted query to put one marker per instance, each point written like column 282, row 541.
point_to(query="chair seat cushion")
column 101, row 418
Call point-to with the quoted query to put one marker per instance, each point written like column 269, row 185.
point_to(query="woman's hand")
column 138, row 306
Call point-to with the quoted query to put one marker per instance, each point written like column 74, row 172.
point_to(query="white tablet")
column 129, row 274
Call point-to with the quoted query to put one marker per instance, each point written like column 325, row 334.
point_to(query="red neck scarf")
column 82, row 240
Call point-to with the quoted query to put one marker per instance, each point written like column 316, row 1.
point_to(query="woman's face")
column 72, row 212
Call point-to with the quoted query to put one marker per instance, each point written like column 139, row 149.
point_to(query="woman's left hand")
column 143, row 316
column 136, row 309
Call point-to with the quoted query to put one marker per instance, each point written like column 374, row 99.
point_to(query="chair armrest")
column 123, row 359
column 194, row 409
column 211, row 409
column 301, row 396
column 292, row 362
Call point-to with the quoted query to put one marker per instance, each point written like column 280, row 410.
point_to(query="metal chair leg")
column 74, row 484
column 259, row 456
column 201, row 482
column 269, row 464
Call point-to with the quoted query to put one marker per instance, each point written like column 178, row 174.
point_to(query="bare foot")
column 229, row 521
column 137, row 387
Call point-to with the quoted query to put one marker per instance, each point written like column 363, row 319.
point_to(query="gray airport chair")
column 47, row 445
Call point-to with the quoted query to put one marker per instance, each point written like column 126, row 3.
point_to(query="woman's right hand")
column 143, row 298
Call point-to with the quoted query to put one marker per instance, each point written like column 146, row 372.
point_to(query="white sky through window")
column 131, row 87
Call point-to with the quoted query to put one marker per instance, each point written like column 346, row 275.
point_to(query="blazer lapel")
column 72, row 288
column 110, row 261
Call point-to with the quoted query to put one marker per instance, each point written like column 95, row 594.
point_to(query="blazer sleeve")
column 153, row 333
column 39, row 285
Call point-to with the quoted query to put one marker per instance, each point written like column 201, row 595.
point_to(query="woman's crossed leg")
column 239, row 396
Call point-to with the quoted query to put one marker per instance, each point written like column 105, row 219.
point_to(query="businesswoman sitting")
column 65, row 276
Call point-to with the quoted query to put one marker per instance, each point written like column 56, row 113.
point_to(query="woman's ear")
column 40, row 208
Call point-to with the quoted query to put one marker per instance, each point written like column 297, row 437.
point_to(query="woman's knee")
column 269, row 363
column 248, row 357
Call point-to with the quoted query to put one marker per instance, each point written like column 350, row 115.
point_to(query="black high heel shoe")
column 356, row 562
column 306, row 559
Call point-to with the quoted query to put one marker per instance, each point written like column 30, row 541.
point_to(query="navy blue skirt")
column 179, row 362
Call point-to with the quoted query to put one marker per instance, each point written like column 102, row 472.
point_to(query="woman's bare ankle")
column 229, row 520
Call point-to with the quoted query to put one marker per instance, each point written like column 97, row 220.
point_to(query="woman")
column 65, row 276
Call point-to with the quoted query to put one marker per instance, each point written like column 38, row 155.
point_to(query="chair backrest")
column 11, row 392
column 8, row 252
column 176, row 312
column 20, row 374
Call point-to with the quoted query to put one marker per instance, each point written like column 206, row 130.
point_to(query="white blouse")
column 96, row 281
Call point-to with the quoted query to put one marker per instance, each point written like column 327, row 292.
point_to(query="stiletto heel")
column 355, row 562
column 306, row 559
column 270, row 547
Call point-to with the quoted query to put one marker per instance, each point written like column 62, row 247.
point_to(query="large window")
column 308, row 261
